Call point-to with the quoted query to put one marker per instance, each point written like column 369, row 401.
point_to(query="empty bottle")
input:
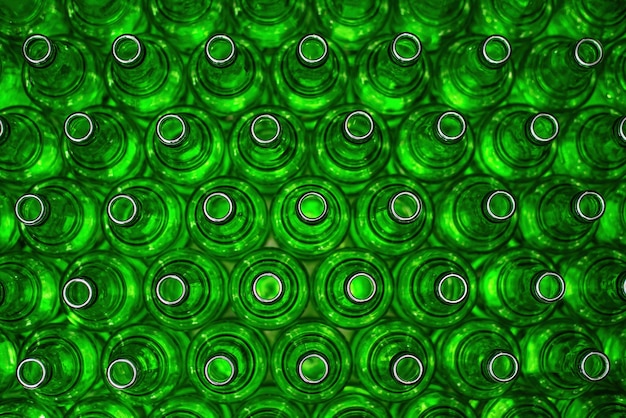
column 102, row 145
column 61, row 73
column 519, row 403
column 268, row 147
column 227, row 361
column 59, row 216
column 309, row 216
column 311, row 362
column 612, row 228
column 227, row 217
column 268, row 289
column 8, row 352
column 186, row 402
column 516, row 142
column 434, row 144
column 437, row 401
column 20, row 19
column 352, row 402
column 184, row 289
column 268, row 402
column 352, row 288
column 101, row 406
column 143, row 217
column 600, row 19
column 351, row 146
column 434, row 287
column 559, row 213
column 597, row 404
column 612, row 82
column 144, row 74
column 476, row 73
column 613, row 341
column 24, row 406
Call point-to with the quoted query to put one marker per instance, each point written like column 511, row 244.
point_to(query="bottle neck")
column 541, row 129
column 50, row 366
column 572, row 356
column 134, row 366
column 182, row 141
column 20, row 142
column 609, row 149
column 138, row 65
column 311, row 66
column 96, row 140
column 226, row 68
column 493, row 53
column 220, row 369
column 583, row 56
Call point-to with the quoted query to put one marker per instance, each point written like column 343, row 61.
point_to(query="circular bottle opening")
column 171, row 129
column 218, row 208
column 313, row 369
column 123, row 210
column 312, row 208
column 358, row 127
column 38, row 50
column 31, row 373
column 31, row 210
column 549, row 287
column 405, row 207
column 78, row 293
column 220, row 50
column 265, row 129
column 544, row 127
column 127, row 50
column 496, row 50
column 220, row 370
column 502, row 367
column 121, row 374
column 361, row 287
column 267, row 288
column 406, row 48
column 407, row 369
column 452, row 289
column 78, row 127
column 451, row 126
column 312, row 50
column 588, row 52
column 589, row 206
column 171, row 290
column 594, row 366
column 500, row 205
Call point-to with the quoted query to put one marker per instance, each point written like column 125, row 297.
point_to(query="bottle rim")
column 306, row 218
column 159, row 127
column 90, row 294
column 254, row 135
column 405, row 219
column 491, row 214
column 260, row 298
column 42, row 213
column 579, row 210
column 358, row 138
column 19, row 373
column 110, row 378
column 504, row 42
column 402, row 60
column 533, row 131
column 396, row 375
column 440, row 130
column 317, row 61
column 229, row 213
column 307, row 380
column 132, row 60
column 596, row 44
column 232, row 370
column 133, row 216
column 561, row 284
column 373, row 284
column 68, row 121
column 439, row 289
column 605, row 361
column 183, row 294
column 47, row 56
column 491, row 372
column 220, row 62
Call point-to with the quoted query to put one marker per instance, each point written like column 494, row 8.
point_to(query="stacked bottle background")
column 321, row 208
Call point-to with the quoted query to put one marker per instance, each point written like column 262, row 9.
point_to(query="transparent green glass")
column 100, row 407
column 143, row 217
column 434, row 287
column 392, row 216
column 268, row 289
column 436, row 402
column 518, row 20
column 101, row 144
column 612, row 81
column 185, row 402
column 602, row 20
column 227, row 361
column 61, row 73
column 144, row 74
column 352, row 288
column 597, row 404
column 269, row 147
column 613, row 341
column 612, row 228
column 227, row 218
column 11, row 77
column 24, row 407
column 269, row 402
column 394, row 360
column 59, row 216
column 309, row 216
column 143, row 363
column 351, row 145
column 101, row 291
column 562, row 358
column 559, row 213
column 58, row 364
column 480, row 356
column 392, row 73
column 434, row 144
column 186, row 146
column 18, row 19
column 352, row 402
column 8, row 353
column 9, row 232
column 185, row 289
column 518, row 403
column 311, row 362
column 476, row 73
column 28, row 161
column 227, row 75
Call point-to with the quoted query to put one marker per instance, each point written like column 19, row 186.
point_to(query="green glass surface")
column 597, row 18
column 8, row 353
column 309, row 216
column 311, row 362
column 597, row 404
column 23, row 407
column 18, row 19
column 9, row 232
column 11, row 76
column 392, row 216
column 227, row 217
column 185, row 289
column 612, row 82
column 613, row 341
column 143, row 217
column 352, row 403
column 269, row 402
column 101, row 291
column 101, row 144
column 227, row 361
column 612, row 228
column 268, row 147
column 185, row 403
column 100, row 407
column 437, row 402
column 144, row 74
column 518, row 404
column 434, row 287
column 268, row 289
column 518, row 20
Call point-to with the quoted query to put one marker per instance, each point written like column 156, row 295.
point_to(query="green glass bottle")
column 434, row 287
column 227, row 217
column 613, row 341
column 102, row 145
column 434, row 21
column 477, row 214
column 143, row 217
column 22, row 406
column 185, row 146
column 434, row 144
column 600, row 160
column 311, row 362
column 352, row 288
column 59, row 216
column 227, row 75
column 597, row 404
column 100, row 407
column 8, row 353
column 596, row 290
column 58, row 364
column 393, row 74
column 562, row 358
column 612, row 81
column 559, row 214
column 479, row 357
column 186, row 22
column 393, row 215
column 476, row 73
column 19, row 19
column 600, row 19
column 559, row 73
column 309, row 216
column 227, row 361
column 269, row 402
column 11, row 77
column 515, row 142
column 27, row 162
column 352, row 402
column 351, row 146
column 185, row 289
column 144, row 74
column 9, row 232
column 437, row 402
column 268, row 147
column 517, row 20
column 143, row 363
column 612, row 228
column 394, row 360
column 519, row 403
column 268, row 289
column 310, row 74
column 100, row 291
column 187, row 403
column 61, row 73
column 269, row 22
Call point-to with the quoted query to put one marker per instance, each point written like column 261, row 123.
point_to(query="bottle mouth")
column 499, row 206
column 588, row 52
column 589, row 206
column 220, row 51
column 218, row 208
column 265, row 129
column 171, row 290
column 123, row 210
column 312, row 208
column 452, row 289
column 621, row 130
column 31, row 373
column 121, row 374
column 502, row 367
column 267, row 288
column 31, row 210
column 451, row 126
column 312, row 51
column 361, row 287
column 79, row 127
column 544, row 128
column 496, row 50
column 405, row 207
column 358, row 127
column 171, row 129
column 594, row 366
column 313, row 369
column 78, row 293
column 549, row 287
column 220, row 370
column 38, row 51
column 407, row 369
column 406, row 49
column 128, row 51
